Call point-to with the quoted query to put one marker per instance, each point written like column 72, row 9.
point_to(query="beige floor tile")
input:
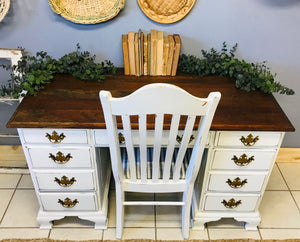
column 232, row 234
column 22, row 210
column 109, row 234
column 278, row 210
column 280, row 234
column 138, row 233
column 198, row 234
column 5, row 196
column 276, row 181
column 226, row 223
column 130, row 233
column 176, row 234
column 76, row 234
column 68, row 222
column 290, row 172
column 169, row 234
column 296, row 195
column 9, row 180
column 135, row 216
column 24, row 233
column 25, row 182
column 168, row 216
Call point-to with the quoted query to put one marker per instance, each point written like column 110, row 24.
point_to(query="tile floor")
column 280, row 212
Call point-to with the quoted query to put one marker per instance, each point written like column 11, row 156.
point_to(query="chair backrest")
column 168, row 105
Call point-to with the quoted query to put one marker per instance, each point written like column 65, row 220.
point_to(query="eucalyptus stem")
column 247, row 76
column 32, row 73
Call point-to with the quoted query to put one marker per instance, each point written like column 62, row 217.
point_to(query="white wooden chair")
column 167, row 161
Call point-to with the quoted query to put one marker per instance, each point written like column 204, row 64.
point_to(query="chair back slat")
column 147, row 161
column 129, row 147
column 170, row 148
column 143, row 146
column 183, row 146
column 159, row 121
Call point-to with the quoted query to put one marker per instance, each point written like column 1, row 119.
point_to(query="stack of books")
column 150, row 54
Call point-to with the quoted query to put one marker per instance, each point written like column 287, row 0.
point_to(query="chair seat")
column 126, row 169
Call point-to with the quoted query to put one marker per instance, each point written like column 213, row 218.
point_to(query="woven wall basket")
column 166, row 11
column 4, row 7
column 87, row 11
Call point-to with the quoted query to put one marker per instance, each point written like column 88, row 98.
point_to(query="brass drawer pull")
column 179, row 139
column 55, row 138
column 236, row 183
column 231, row 203
column 121, row 139
column 60, row 158
column 249, row 141
column 243, row 160
column 68, row 203
column 64, row 181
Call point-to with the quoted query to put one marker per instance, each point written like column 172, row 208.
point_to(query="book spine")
column 170, row 54
column 159, row 53
column 125, row 54
column 131, row 53
column 176, row 54
column 165, row 55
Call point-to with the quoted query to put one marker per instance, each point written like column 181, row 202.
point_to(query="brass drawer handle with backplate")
column 231, row 203
column 121, row 139
column 68, row 203
column 65, row 181
column 250, row 140
column 55, row 138
column 60, row 158
column 243, row 160
column 236, row 183
column 179, row 139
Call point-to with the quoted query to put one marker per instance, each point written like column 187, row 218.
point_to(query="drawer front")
column 65, row 181
column 236, row 183
column 239, row 159
column 100, row 137
column 232, row 203
column 60, row 158
column 68, row 201
column 248, row 139
column 54, row 136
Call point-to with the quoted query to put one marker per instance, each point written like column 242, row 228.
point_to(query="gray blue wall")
column 264, row 30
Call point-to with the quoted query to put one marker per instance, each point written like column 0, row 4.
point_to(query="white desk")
column 71, row 177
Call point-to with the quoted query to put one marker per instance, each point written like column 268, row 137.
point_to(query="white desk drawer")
column 248, row 139
column 68, row 201
column 251, row 182
column 100, row 137
column 60, row 157
column 52, row 136
column 231, row 202
column 243, row 159
column 65, row 181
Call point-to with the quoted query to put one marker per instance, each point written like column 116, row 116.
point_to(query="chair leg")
column 119, row 212
column 186, row 210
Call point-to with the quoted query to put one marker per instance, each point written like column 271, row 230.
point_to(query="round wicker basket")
column 87, row 11
column 166, row 11
column 4, row 7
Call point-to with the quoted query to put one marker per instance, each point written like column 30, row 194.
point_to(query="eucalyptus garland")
column 32, row 73
column 247, row 76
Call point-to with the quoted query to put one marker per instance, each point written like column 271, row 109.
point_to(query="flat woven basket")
column 4, row 7
column 166, row 11
column 87, row 11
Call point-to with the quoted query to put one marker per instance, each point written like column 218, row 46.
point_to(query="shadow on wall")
column 279, row 3
column 19, row 14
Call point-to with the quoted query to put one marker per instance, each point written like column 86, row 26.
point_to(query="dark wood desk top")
column 70, row 103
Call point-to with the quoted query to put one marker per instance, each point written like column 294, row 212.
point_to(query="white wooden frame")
column 14, row 55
